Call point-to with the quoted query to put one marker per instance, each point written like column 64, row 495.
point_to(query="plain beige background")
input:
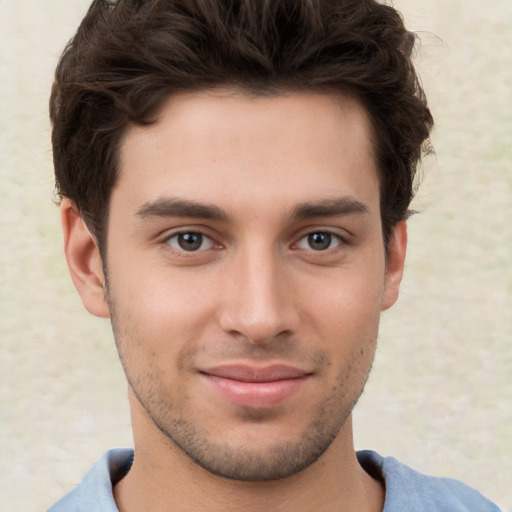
column 440, row 397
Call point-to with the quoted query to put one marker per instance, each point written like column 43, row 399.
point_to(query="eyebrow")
column 329, row 208
column 170, row 207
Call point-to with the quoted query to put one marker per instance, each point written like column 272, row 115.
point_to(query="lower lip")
column 256, row 394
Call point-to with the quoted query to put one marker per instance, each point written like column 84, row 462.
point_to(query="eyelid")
column 205, row 243
column 344, row 237
column 336, row 241
column 172, row 233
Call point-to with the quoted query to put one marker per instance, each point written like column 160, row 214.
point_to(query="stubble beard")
column 243, row 463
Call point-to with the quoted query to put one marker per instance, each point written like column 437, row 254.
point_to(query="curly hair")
column 128, row 56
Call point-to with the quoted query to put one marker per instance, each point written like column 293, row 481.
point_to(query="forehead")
column 229, row 146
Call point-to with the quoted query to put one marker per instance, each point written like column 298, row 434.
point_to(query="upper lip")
column 248, row 373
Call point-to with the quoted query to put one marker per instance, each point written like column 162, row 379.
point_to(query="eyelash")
column 330, row 236
column 204, row 238
column 178, row 248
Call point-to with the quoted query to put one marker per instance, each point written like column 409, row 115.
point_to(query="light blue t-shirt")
column 406, row 489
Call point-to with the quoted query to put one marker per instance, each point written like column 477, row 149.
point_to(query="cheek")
column 163, row 298
column 347, row 303
column 155, row 318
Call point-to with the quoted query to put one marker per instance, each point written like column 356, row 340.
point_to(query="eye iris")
column 190, row 241
column 319, row 241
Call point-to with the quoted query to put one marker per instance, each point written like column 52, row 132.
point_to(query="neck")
column 164, row 478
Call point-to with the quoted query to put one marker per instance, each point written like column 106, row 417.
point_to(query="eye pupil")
column 319, row 241
column 190, row 241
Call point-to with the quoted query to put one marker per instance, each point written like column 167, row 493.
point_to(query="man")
column 235, row 180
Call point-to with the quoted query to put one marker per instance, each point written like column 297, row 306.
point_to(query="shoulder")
column 407, row 490
column 94, row 492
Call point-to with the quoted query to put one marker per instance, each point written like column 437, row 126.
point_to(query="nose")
column 258, row 299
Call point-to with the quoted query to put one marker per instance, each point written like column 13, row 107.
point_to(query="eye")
column 190, row 241
column 319, row 241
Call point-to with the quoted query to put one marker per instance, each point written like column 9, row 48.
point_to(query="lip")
column 256, row 387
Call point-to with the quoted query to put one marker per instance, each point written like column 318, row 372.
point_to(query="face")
column 247, row 274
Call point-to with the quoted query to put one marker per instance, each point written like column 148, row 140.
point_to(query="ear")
column 84, row 261
column 395, row 264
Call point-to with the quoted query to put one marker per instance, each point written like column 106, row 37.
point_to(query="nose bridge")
column 257, row 304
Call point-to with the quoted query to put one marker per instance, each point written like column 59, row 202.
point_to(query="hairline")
column 341, row 95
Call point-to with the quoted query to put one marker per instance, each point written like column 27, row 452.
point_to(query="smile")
column 247, row 386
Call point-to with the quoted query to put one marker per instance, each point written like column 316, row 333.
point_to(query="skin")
column 281, row 195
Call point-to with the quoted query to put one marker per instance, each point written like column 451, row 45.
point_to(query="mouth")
column 256, row 387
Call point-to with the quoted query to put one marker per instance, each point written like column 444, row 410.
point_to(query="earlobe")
column 395, row 264
column 84, row 261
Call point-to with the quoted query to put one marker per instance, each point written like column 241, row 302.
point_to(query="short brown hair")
column 128, row 56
